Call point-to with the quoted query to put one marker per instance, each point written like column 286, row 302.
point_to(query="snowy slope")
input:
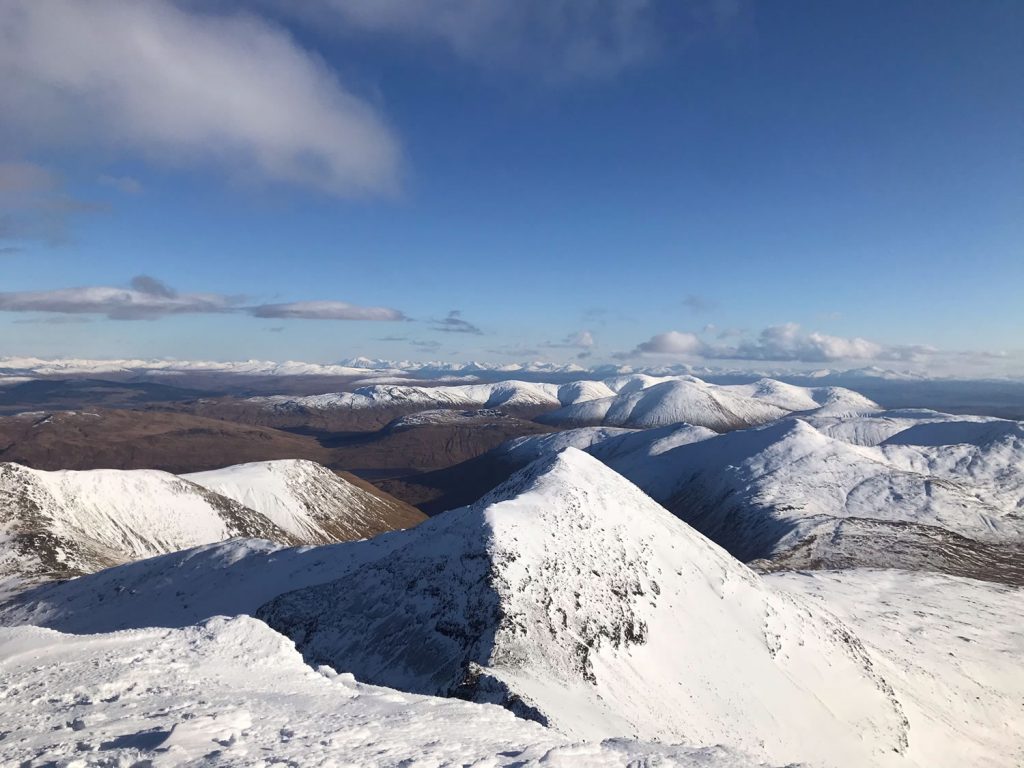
column 62, row 524
column 566, row 555
column 952, row 648
column 572, row 599
column 245, row 698
column 914, row 489
column 306, row 499
column 56, row 525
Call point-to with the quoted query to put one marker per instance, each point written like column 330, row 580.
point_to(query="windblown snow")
column 245, row 698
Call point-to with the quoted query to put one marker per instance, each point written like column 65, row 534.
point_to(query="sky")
column 726, row 183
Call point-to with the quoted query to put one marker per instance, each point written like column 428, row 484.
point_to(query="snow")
column 303, row 498
column 60, row 524
column 573, row 599
column 233, row 692
column 951, row 648
column 634, row 401
column 567, row 596
column 883, row 488
column 66, row 523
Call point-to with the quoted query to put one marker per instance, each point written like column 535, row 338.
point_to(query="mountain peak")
column 571, row 598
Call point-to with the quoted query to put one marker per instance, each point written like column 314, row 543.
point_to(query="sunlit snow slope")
column 308, row 500
column 56, row 525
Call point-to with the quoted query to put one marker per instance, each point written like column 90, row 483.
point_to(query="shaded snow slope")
column 569, row 597
column 182, row 588
column 234, row 692
column 308, row 500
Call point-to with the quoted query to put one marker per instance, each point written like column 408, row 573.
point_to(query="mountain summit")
column 571, row 598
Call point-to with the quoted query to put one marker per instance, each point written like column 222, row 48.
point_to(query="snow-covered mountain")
column 569, row 597
column 308, row 500
column 906, row 488
column 693, row 401
column 635, row 401
column 57, row 525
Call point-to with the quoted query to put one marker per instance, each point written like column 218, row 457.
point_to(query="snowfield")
column 566, row 596
column 232, row 692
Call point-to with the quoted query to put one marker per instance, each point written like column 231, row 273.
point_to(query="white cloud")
column 186, row 87
column 671, row 343
column 787, row 342
column 779, row 343
column 325, row 310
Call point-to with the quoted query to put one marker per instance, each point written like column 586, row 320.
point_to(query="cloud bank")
column 778, row 343
column 186, row 87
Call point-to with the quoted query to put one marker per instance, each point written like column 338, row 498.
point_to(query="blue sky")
column 727, row 183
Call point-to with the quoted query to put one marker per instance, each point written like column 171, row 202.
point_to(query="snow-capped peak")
column 571, row 598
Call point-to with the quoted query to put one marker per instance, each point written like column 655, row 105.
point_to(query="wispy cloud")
column 554, row 40
column 125, row 184
column 34, row 205
column 147, row 298
column 699, row 304
column 455, row 323
column 426, row 344
column 519, row 351
column 172, row 83
column 325, row 310
column 578, row 340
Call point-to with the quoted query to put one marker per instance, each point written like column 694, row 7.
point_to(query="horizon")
column 722, row 185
